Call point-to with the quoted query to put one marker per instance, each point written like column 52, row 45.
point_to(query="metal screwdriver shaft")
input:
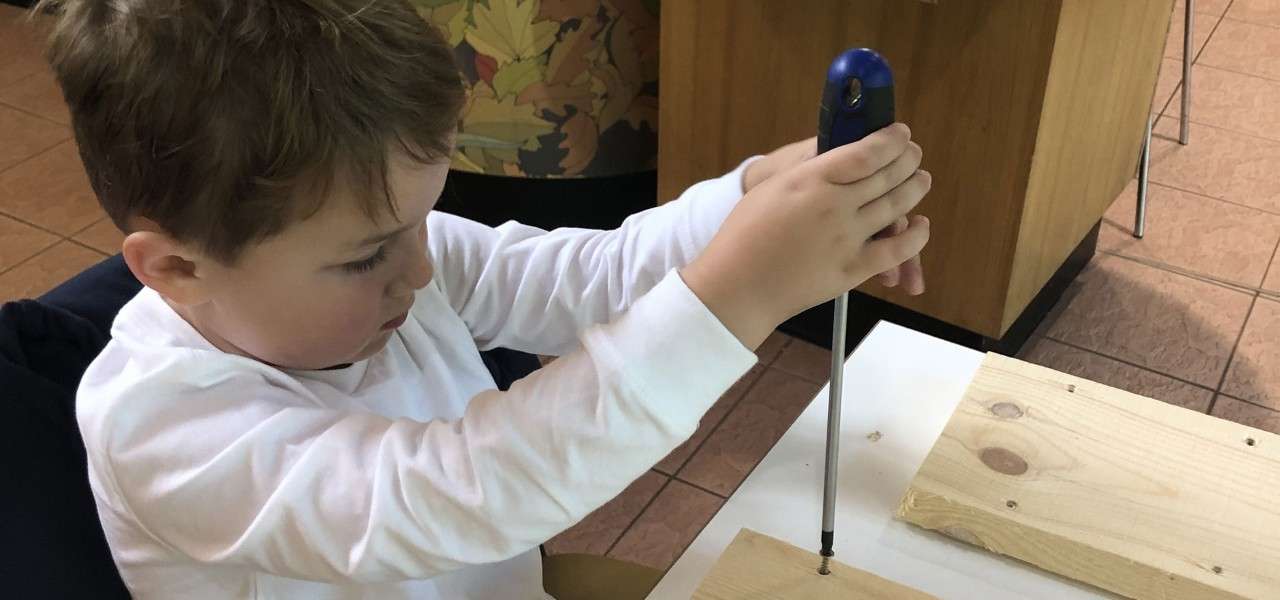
column 838, row 330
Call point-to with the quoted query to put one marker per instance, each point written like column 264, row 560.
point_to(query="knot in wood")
column 1003, row 460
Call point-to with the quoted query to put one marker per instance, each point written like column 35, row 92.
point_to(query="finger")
column 869, row 188
column 852, row 162
column 898, row 226
column 912, row 276
column 887, row 209
column 882, row 255
column 890, row 278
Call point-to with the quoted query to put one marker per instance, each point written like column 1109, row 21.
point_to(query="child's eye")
column 366, row 265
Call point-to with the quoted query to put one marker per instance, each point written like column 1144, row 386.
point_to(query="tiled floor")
column 50, row 223
column 1190, row 315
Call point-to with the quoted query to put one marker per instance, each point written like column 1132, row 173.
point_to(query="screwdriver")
column 857, row 99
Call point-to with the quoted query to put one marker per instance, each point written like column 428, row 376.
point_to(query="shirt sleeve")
column 528, row 289
column 228, row 462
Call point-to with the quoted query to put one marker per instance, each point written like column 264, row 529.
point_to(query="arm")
column 246, row 470
column 523, row 288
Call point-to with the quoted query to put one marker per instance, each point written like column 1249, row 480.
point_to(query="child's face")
column 328, row 290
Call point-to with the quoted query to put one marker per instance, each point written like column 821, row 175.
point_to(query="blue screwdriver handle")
column 857, row 98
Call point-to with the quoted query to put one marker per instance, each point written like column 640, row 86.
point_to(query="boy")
column 294, row 406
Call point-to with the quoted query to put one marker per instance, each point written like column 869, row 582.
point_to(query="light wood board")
column 1138, row 497
column 756, row 566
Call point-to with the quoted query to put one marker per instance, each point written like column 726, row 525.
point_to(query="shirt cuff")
column 673, row 351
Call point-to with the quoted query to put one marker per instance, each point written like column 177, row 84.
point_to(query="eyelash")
column 366, row 265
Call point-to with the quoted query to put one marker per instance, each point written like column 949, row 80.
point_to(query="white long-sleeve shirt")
column 408, row 475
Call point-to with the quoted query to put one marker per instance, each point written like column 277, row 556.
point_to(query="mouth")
column 396, row 322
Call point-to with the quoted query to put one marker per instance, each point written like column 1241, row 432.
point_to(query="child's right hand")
column 805, row 236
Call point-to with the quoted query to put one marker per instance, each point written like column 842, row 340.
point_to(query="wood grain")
column 1106, row 61
column 758, row 566
column 741, row 77
column 1135, row 496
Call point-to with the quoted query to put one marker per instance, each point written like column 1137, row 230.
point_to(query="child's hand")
column 804, row 236
column 910, row 275
column 778, row 161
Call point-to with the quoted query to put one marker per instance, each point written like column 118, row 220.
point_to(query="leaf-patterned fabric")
column 558, row 88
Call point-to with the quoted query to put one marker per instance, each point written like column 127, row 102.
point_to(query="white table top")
column 905, row 385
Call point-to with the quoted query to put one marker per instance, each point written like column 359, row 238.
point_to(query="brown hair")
column 226, row 120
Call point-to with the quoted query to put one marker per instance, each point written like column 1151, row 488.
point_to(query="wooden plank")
column 1106, row 60
column 1139, row 497
column 761, row 567
column 740, row 77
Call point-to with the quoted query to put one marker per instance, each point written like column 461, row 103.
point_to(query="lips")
column 396, row 322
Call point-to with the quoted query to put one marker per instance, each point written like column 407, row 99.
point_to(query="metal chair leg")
column 1144, row 166
column 1188, row 55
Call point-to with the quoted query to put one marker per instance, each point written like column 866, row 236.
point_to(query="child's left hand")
column 910, row 275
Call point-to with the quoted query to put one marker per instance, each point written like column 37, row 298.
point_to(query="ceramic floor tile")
column 1233, row 101
column 1212, row 7
column 1273, row 278
column 1247, row 414
column 749, row 432
column 1255, row 370
column 1222, row 164
column 1264, row 12
column 1201, row 28
column 37, row 93
column 51, row 190
column 1192, row 232
column 672, row 463
column 23, row 136
column 596, row 533
column 809, row 361
column 49, row 268
column 20, row 45
column 1101, row 369
column 1167, row 86
column 19, row 241
column 1155, row 319
column 1245, row 48
column 668, row 526
column 103, row 237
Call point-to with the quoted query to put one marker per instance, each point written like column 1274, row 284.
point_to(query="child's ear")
column 165, row 265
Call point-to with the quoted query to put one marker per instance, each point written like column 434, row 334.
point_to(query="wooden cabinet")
column 1030, row 112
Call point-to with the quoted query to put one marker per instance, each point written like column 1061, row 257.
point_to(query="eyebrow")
column 381, row 237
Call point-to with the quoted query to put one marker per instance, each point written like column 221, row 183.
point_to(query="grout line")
column 1129, row 363
column 638, row 515
column 1271, row 265
column 1232, row 356
column 35, row 225
column 1189, row 274
column 716, row 426
column 1209, row 197
column 34, row 155
column 703, row 489
column 29, row 258
column 1249, row 402
column 1174, row 118
column 86, row 246
column 28, row 112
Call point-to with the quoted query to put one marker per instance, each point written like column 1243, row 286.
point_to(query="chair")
column 1184, row 130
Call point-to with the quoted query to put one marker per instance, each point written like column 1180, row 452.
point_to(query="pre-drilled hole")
column 1217, row 569
column 1011, row 504
column 1071, row 388
column 1250, row 442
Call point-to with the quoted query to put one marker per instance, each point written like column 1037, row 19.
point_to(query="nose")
column 415, row 274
